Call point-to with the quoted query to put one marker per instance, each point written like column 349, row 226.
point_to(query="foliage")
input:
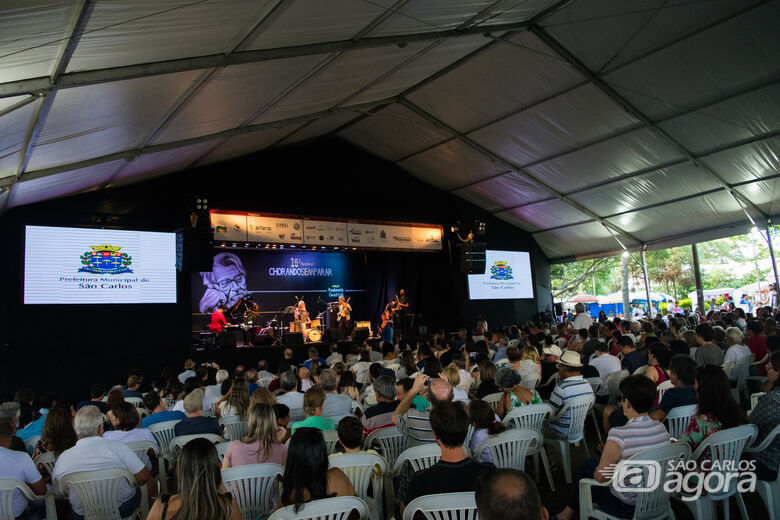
column 685, row 303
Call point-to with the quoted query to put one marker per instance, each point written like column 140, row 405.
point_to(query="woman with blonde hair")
column 487, row 376
column 529, row 366
column 262, row 395
column 261, row 443
column 236, row 401
column 313, row 403
column 453, row 377
column 200, row 487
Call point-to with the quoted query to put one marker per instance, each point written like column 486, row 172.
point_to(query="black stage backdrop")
column 65, row 348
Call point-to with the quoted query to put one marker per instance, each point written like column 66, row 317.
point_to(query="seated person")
column 381, row 414
column 125, row 421
column 508, row 494
column 639, row 434
column 307, row 475
column 195, row 421
column 200, row 487
column 92, row 453
column 414, row 422
column 455, row 471
column 96, row 393
column 291, row 397
column 632, row 358
column 336, row 405
column 131, row 389
column 350, row 437
column 313, row 403
column 19, row 466
column 261, row 443
column 570, row 385
column 156, row 408
column 682, row 370
column 765, row 417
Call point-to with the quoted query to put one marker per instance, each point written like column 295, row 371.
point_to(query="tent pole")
column 697, row 277
column 771, row 252
column 626, row 302
column 647, row 283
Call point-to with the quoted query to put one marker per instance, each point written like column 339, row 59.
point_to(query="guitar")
column 344, row 309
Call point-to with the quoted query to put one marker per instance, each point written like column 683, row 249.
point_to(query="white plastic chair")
column 754, row 400
column 390, row 443
column 235, row 427
column 331, row 439
column 30, row 444
column 449, row 506
column 553, row 380
column 8, row 489
column 360, row 470
column 662, row 388
column 163, row 432
column 532, row 417
column 493, row 399
column 336, row 508
column 760, row 379
column 253, row 486
column 98, row 492
column 47, row 460
column 578, row 408
column 177, row 443
column 135, row 401
column 595, row 383
column 654, row 504
column 221, row 449
column 640, row 371
column 742, row 369
column 419, row 457
column 612, row 381
column 141, row 449
column 678, row 419
column 725, row 448
column 265, row 381
column 510, row 448
column 769, row 491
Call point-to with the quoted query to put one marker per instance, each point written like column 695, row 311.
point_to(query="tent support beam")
column 562, row 51
column 497, row 159
column 772, row 251
column 647, row 282
column 697, row 278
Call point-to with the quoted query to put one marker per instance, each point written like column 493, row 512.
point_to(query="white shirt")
column 94, row 454
column 292, row 400
column 633, row 338
column 361, row 371
column 605, row 364
column 186, row 375
column 459, row 395
column 735, row 353
column 336, row 405
column 19, row 466
column 334, row 358
column 134, row 435
column 213, row 393
column 465, row 377
column 227, row 410
column 376, row 357
column 582, row 321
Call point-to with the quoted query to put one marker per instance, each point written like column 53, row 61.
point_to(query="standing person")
column 583, row 319
column 401, row 311
column 345, row 315
column 200, row 488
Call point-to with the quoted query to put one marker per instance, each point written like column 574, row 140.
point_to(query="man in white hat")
column 571, row 385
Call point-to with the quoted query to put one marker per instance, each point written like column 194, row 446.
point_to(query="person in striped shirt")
column 571, row 385
column 639, row 434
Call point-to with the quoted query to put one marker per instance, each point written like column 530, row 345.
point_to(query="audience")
column 416, row 423
column 126, row 427
column 19, row 466
column 336, row 405
column 196, row 422
column 347, row 385
column 132, row 386
column 487, row 379
column 682, row 371
column 58, row 434
column 97, row 392
column 380, row 415
column 570, row 385
column 92, row 453
column 514, row 394
column 307, row 476
column 189, row 366
column 236, row 402
column 157, row 411
column 482, row 418
column 261, row 443
column 766, row 416
column 508, row 494
column 350, row 434
column 313, row 404
column 707, row 353
column 291, row 397
column 201, row 492
column 633, row 359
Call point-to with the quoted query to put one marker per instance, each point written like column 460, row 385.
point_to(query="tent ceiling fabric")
column 589, row 123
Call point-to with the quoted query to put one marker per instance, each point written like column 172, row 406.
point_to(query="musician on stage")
column 401, row 309
column 301, row 314
column 345, row 310
column 218, row 321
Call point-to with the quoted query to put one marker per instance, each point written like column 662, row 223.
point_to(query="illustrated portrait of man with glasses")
column 225, row 284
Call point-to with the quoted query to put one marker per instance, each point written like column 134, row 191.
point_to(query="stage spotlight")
column 481, row 226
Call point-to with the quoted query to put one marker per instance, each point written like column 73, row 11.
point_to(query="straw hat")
column 570, row 359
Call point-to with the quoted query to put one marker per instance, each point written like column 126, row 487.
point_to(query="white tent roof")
column 654, row 122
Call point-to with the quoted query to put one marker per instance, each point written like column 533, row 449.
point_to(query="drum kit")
column 311, row 330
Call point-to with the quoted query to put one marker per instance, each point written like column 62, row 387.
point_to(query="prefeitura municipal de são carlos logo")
column 501, row 271
column 106, row 259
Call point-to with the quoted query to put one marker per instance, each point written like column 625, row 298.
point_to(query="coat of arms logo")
column 501, row 271
column 106, row 259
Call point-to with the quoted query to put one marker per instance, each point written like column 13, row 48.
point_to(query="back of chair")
column 493, row 399
column 419, row 457
column 725, row 452
column 177, row 443
column 336, row 508
column 754, row 399
column 678, row 418
column 443, row 506
column 163, row 432
column 235, row 427
column 662, row 388
column 359, row 469
column 135, row 401
column 655, row 502
column 141, row 449
column 595, row 383
column 390, row 443
column 265, row 381
column 47, row 460
column 613, row 384
column 98, row 491
column 8, row 489
column 640, row 371
column 742, row 369
column 297, row 414
column 252, row 486
column 510, row 448
column 331, row 439
column 221, row 449
column 530, row 417
column 578, row 408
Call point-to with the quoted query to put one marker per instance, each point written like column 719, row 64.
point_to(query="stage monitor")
column 98, row 266
column 507, row 276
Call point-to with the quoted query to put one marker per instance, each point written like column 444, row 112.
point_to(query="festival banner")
column 280, row 230
column 324, row 233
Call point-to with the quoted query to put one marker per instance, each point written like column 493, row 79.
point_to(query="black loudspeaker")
column 360, row 334
column 262, row 339
column 293, row 338
column 558, row 309
column 194, row 249
column 226, row 340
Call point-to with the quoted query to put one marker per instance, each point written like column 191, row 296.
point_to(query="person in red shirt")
column 754, row 333
column 218, row 321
